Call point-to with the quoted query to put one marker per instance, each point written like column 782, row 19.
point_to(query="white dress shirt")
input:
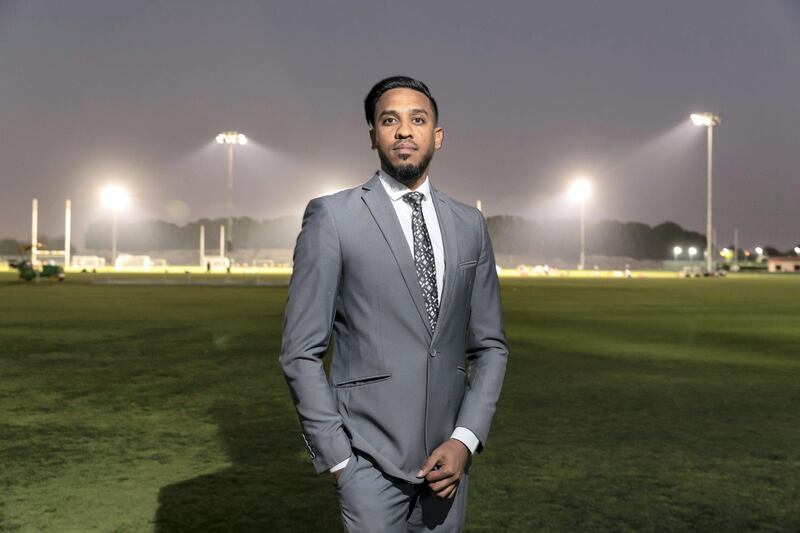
column 396, row 190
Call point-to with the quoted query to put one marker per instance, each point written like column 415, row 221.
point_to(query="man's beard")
column 408, row 173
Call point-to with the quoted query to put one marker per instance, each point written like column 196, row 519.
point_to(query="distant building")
column 783, row 264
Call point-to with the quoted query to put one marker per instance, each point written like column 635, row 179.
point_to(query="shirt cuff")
column 467, row 437
column 340, row 465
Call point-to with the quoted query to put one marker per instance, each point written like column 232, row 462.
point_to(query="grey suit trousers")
column 375, row 502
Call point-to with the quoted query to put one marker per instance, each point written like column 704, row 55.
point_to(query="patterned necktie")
column 423, row 256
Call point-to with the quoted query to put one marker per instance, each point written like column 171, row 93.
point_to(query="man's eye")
column 388, row 120
column 418, row 120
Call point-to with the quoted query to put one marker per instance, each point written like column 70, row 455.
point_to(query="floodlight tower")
column 115, row 199
column 231, row 138
column 579, row 191
column 709, row 120
column 34, row 230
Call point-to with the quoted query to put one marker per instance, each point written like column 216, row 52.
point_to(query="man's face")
column 405, row 134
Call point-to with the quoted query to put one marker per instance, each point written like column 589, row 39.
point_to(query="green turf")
column 629, row 405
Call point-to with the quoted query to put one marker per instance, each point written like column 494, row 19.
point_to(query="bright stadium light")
column 705, row 119
column 759, row 250
column 797, row 250
column 692, row 252
column 579, row 191
column 230, row 138
column 709, row 120
column 115, row 199
column 677, row 251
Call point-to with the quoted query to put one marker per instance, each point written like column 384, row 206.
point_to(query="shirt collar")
column 396, row 190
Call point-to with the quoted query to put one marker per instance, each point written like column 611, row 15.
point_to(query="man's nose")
column 403, row 131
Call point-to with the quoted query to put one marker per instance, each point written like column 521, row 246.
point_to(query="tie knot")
column 413, row 198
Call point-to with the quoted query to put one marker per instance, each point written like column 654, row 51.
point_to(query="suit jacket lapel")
column 380, row 206
column 448, row 228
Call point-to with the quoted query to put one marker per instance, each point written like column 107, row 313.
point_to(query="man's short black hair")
column 395, row 82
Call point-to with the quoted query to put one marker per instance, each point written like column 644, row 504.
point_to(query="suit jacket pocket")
column 364, row 380
column 469, row 263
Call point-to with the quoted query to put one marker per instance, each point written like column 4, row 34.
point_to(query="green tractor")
column 28, row 272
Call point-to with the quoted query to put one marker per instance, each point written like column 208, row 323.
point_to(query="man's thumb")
column 428, row 466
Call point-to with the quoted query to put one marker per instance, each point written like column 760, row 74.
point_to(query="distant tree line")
column 10, row 247
column 138, row 237
column 561, row 238
column 15, row 247
column 510, row 235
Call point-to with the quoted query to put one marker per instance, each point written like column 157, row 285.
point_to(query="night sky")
column 530, row 94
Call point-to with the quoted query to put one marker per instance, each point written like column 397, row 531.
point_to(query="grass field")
column 629, row 405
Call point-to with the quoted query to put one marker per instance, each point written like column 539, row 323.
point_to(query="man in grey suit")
column 405, row 278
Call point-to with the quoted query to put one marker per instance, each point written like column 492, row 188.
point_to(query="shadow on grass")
column 269, row 487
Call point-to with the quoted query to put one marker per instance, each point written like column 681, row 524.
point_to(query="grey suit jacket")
column 396, row 389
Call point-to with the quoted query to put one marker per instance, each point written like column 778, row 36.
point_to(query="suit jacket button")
column 434, row 353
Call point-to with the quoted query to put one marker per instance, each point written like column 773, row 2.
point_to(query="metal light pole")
column 34, row 230
column 114, row 238
column 580, row 190
column 116, row 199
column 582, row 266
column 709, row 120
column 230, row 138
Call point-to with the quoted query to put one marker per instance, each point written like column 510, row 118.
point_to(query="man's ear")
column 372, row 142
column 438, row 138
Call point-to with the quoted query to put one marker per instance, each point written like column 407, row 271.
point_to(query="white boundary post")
column 67, row 232
column 202, row 246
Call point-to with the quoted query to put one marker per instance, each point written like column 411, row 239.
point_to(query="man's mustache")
column 398, row 144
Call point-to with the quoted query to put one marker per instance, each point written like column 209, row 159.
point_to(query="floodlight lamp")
column 797, row 250
column 231, row 137
column 115, row 198
column 705, row 119
column 677, row 250
column 580, row 190
column 759, row 250
column 692, row 251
